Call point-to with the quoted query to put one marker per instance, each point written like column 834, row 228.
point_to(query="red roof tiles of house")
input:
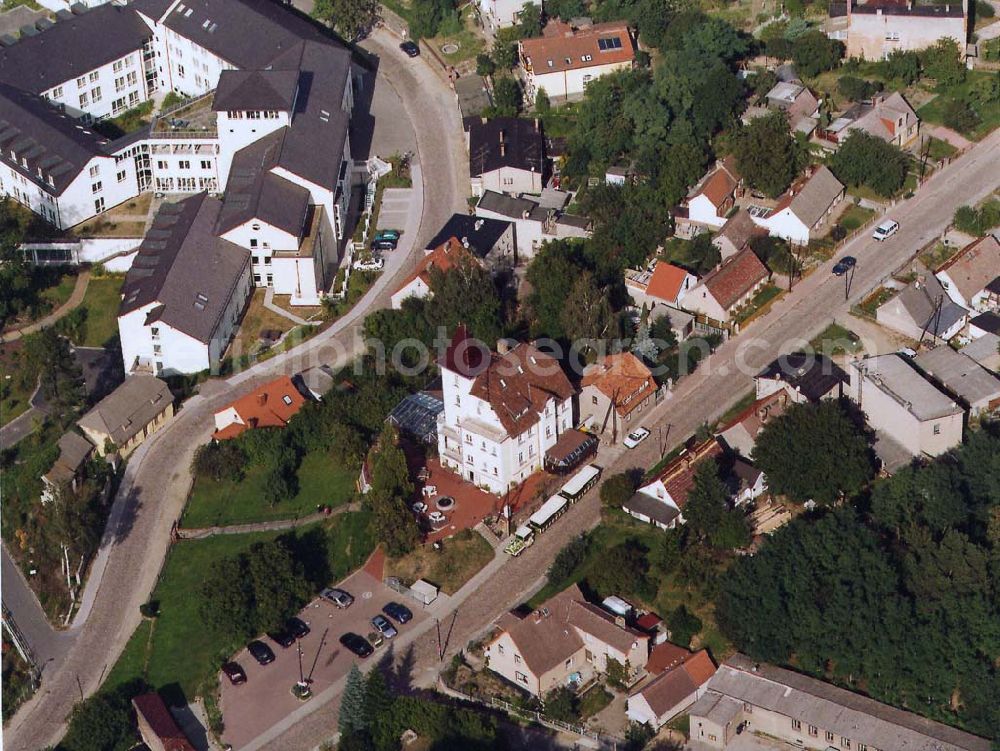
column 270, row 406
column 623, row 378
column 564, row 48
column 678, row 681
column 154, row 717
column 735, row 277
column 666, row 281
column 444, row 257
column 678, row 475
column 721, row 183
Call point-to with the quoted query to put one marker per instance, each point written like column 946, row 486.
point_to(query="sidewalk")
column 75, row 298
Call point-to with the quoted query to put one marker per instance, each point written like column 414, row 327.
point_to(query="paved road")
column 24, row 424
column 703, row 396
column 158, row 474
column 75, row 298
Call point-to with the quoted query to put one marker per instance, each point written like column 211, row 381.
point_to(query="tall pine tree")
column 354, row 705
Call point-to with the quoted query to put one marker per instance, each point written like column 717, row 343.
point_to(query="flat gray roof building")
column 962, row 376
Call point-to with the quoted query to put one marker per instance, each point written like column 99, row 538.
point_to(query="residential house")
column 736, row 233
column 502, row 410
column 157, row 727
column 74, row 451
column 807, row 377
column 493, row 242
column 185, row 293
column 506, row 154
column 533, row 223
column 890, row 118
column 728, row 287
column 877, row 28
column 564, row 60
column 961, row 376
column 660, row 284
column 984, row 324
column 799, row 104
column 128, row 415
column 661, row 502
column 969, row 275
column 800, row 213
column 501, row 14
column 922, row 310
column 567, row 641
column 622, row 382
column 985, row 350
column 711, row 200
column 679, row 679
column 902, row 404
column 804, row 712
column 746, row 482
column 446, row 256
column 740, row 434
column 269, row 406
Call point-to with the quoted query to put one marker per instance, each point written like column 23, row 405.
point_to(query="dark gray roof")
column 73, row 452
column 153, row 9
column 185, row 268
column 813, row 375
column 573, row 220
column 254, row 192
column 250, row 34
column 472, row 95
column 920, row 299
column 72, row 47
column 501, row 203
column 479, row 234
column 655, row 509
column 128, row 409
column 987, row 322
column 46, row 138
column 504, row 142
column 256, row 90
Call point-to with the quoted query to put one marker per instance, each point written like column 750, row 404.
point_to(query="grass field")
column 854, row 217
column 13, row 397
column 257, row 319
column 321, row 481
column 59, row 292
column 101, row 303
column 836, row 340
column 463, row 555
column 177, row 653
column 989, row 114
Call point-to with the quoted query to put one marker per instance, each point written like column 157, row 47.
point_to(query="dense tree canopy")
column 708, row 511
column 900, row 599
column 814, row 452
column 977, row 221
column 864, row 159
column 767, row 155
column 814, row 52
column 350, row 18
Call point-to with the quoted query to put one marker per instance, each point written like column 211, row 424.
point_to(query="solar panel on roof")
column 609, row 43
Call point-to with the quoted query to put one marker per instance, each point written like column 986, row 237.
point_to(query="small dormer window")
column 287, row 399
column 255, row 227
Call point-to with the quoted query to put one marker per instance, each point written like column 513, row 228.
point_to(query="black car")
column 283, row 638
column 840, row 269
column 849, row 261
column 260, row 652
column 410, row 48
column 398, row 613
column 357, row 644
column 296, row 627
column 235, row 673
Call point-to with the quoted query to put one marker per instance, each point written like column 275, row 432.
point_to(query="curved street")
column 157, row 478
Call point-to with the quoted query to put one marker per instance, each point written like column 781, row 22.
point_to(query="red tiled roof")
column 648, row 621
column 623, row 378
column 151, row 708
column 665, row 656
column 569, row 49
column 270, row 406
column 735, row 277
column 666, row 281
column 721, row 183
column 678, row 475
column 678, row 682
column 444, row 257
column 762, row 410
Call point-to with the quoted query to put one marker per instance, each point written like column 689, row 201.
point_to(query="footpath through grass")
column 322, row 481
column 177, row 653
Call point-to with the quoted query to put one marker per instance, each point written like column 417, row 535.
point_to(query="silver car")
column 338, row 597
column 384, row 627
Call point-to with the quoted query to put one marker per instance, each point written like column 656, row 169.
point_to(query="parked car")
column 398, row 613
column 282, row 638
column 839, row 269
column 357, row 644
column 419, row 507
column 235, row 673
column 383, row 244
column 338, row 597
column 410, row 48
column 372, row 264
column 382, row 625
column 387, row 234
column 296, row 627
column 260, row 652
column 636, row 437
column 849, row 261
column 885, row 230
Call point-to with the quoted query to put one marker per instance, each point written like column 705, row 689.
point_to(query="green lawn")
column 13, row 394
column 101, row 303
column 760, row 301
column 989, row 114
column 321, row 481
column 59, row 292
column 178, row 654
column 854, row 217
column 836, row 340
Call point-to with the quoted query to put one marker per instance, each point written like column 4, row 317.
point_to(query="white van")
column 885, row 230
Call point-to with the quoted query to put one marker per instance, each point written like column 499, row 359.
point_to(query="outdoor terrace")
column 191, row 119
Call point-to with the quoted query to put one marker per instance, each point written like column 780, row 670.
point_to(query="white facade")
column 876, row 35
column 501, row 14
column 530, row 233
column 508, row 180
column 185, row 67
column 702, row 210
column 107, row 91
column 568, row 83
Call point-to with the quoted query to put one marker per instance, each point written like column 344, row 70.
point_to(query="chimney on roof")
column 620, row 621
column 503, row 144
column 537, row 125
column 465, row 242
column 483, row 119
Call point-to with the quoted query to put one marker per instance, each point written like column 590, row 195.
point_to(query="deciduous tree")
column 766, row 154
column 864, row 159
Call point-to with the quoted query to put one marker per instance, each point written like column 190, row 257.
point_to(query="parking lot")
column 251, row 708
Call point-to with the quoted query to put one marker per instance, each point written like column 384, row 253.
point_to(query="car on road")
column 849, row 261
column 410, row 48
column 338, row 597
column 235, row 673
column 387, row 234
column 419, row 507
column 636, row 437
column 839, row 268
column 370, row 264
column 284, row 639
column 357, row 644
column 296, row 627
column 260, row 652
column 383, row 245
column 384, row 627
column 885, row 230
column 398, row 613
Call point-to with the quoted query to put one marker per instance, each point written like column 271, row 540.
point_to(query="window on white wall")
column 95, row 94
column 99, row 205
